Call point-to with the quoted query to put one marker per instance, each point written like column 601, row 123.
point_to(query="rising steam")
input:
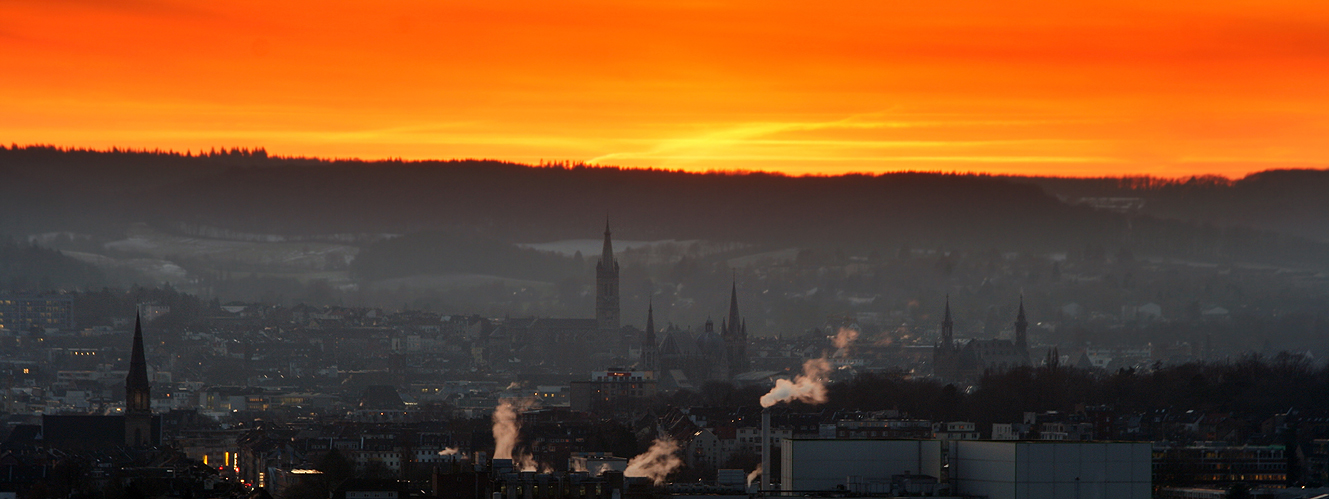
column 843, row 339
column 593, row 469
column 753, row 476
column 505, row 430
column 506, row 426
column 527, row 462
column 808, row 387
column 657, row 463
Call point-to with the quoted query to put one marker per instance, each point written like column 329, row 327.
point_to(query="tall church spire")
column 1021, row 328
column 606, row 286
column 947, row 326
column 650, row 349
column 734, row 320
column 138, row 397
column 650, row 322
column 607, row 253
column 734, row 331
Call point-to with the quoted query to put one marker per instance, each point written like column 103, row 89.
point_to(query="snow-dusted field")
column 299, row 255
column 452, row 281
column 154, row 268
column 592, row 247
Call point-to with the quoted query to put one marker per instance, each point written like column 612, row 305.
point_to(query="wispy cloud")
column 738, row 143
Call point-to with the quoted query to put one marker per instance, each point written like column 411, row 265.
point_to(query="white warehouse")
column 827, row 464
column 1047, row 469
column 992, row 469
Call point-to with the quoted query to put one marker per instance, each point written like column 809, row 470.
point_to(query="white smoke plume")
column 592, row 468
column 753, row 476
column 843, row 339
column 600, row 468
column 808, row 387
column 507, row 427
column 657, row 462
column 527, row 462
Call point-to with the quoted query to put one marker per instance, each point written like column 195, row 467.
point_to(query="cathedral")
column 572, row 343
column 953, row 361
column 709, row 356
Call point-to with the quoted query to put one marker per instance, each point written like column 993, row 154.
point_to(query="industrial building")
column 1052, row 469
column 809, row 465
column 992, row 469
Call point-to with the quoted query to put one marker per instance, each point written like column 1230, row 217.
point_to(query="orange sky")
column 1035, row 87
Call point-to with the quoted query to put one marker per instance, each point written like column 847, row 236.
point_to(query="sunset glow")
column 1026, row 87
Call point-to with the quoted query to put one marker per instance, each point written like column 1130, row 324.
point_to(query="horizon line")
column 222, row 152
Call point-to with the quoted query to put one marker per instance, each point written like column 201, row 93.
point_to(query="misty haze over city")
column 484, row 314
column 608, row 249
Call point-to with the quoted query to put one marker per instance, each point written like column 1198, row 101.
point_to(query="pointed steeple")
column 607, row 254
column 650, row 323
column 650, row 349
column 947, row 326
column 734, row 319
column 1021, row 328
column 138, row 396
column 138, row 366
column 606, row 286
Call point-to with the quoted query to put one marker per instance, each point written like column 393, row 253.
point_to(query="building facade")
column 608, row 390
column 20, row 313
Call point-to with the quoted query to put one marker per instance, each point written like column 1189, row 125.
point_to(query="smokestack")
column 765, row 483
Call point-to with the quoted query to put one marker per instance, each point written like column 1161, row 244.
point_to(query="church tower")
column 946, row 356
column 650, row 350
column 138, row 398
column 734, row 331
column 606, row 286
column 948, row 327
column 1021, row 329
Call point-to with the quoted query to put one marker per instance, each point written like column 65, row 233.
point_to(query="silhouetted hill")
column 45, row 189
column 439, row 253
column 1287, row 201
column 28, row 267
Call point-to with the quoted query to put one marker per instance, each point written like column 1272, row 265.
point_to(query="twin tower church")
column 952, row 360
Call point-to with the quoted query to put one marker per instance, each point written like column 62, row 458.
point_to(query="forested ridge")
column 49, row 189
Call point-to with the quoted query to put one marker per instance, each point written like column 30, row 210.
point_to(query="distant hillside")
column 1288, row 201
column 45, row 189
column 27, row 267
